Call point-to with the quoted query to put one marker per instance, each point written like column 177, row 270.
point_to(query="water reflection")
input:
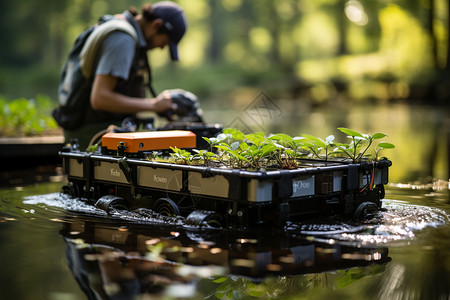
column 122, row 260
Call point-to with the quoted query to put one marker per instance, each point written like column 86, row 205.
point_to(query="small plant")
column 382, row 146
column 203, row 154
column 352, row 150
column 181, row 156
column 233, row 153
column 289, row 148
column 153, row 155
column 316, row 145
column 92, row 148
column 215, row 141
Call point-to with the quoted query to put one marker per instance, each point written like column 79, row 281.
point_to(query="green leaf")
column 256, row 138
column 316, row 140
column 223, row 147
column 378, row 136
column 235, row 133
column 220, row 279
column 244, row 146
column 238, row 156
column 284, row 137
column 350, row 132
column 385, row 145
column 267, row 149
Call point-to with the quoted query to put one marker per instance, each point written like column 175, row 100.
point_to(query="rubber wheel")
column 109, row 202
column 166, row 207
column 208, row 218
column 365, row 211
column 69, row 190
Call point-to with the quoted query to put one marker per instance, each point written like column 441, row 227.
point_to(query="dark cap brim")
column 173, row 50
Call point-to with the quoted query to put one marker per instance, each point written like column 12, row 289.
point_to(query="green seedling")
column 182, row 156
column 233, row 153
column 358, row 139
column 203, row 154
column 382, row 146
column 233, row 135
column 153, row 155
column 215, row 141
column 92, row 148
column 288, row 149
column 316, row 145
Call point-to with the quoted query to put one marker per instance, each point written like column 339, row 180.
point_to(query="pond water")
column 54, row 247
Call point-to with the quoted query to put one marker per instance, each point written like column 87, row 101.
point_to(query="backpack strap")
column 90, row 48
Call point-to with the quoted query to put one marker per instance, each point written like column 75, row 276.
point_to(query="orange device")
column 149, row 140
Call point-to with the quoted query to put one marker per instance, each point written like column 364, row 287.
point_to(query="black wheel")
column 109, row 202
column 365, row 211
column 166, row 207
column 69, row 190
column 207, row 218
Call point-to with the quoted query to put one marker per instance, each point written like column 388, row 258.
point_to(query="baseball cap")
column 174, row 23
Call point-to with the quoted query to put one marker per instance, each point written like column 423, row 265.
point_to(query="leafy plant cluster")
column 26, row 117
column 234, row 149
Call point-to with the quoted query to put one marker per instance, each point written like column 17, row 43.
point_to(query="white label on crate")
column 303, row 186
column 337, row 181
column 159, row 179
column 114, row 172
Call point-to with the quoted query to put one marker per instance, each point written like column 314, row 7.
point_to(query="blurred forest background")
column 367, row 50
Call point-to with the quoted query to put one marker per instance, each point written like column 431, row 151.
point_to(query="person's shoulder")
column 119, row 39
column 122, row 36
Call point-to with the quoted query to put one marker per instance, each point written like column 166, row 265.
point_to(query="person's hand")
column 163, row 102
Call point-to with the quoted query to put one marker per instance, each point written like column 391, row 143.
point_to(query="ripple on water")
column 398, row 221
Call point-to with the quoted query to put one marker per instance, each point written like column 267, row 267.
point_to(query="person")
column 116, row 89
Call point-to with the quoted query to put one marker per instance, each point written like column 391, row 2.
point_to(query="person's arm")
column 103, row 97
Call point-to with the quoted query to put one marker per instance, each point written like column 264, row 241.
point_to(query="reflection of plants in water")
column 238, row 288
column 347, row 277
column 233, row 287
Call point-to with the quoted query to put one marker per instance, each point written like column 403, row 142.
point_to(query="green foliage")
column 316, row 145
column 181, row 156
column 358, row 140
column 382, row 146
column 350, row 276
column 234, row 149
column 203, row 154
column 26, row 117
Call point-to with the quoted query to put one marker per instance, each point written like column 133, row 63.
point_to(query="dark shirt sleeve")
column 115, row 55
